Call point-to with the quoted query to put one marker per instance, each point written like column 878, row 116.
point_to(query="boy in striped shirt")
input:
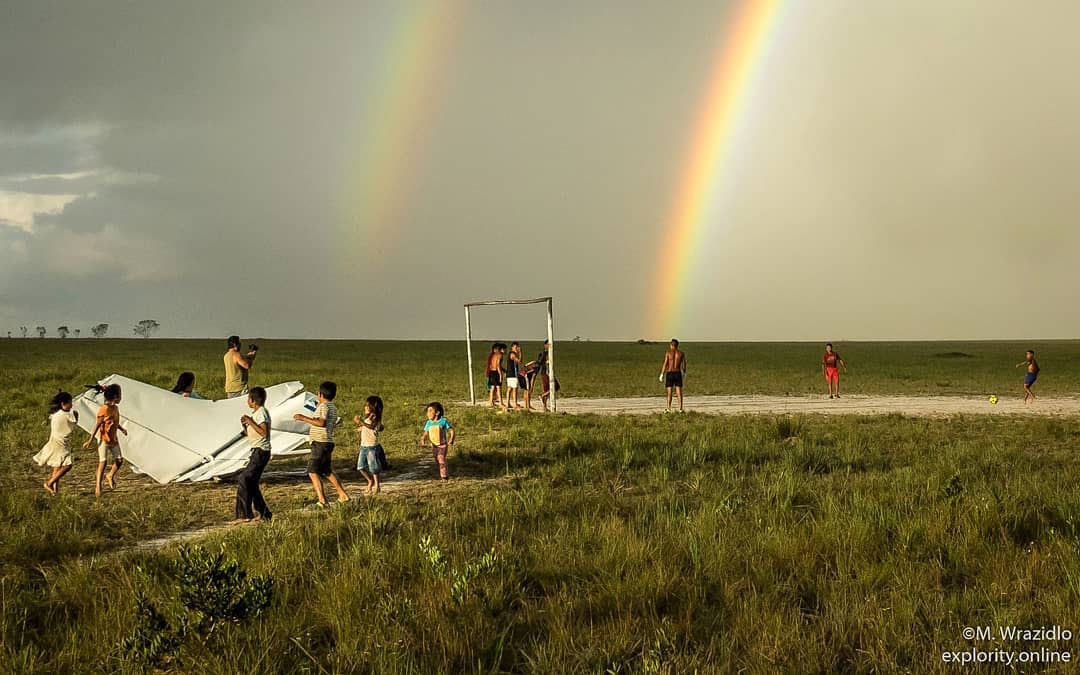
column 322, row 422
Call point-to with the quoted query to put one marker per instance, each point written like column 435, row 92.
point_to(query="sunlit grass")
column 563, row 544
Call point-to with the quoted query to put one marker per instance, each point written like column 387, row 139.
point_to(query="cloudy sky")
column 361, row 169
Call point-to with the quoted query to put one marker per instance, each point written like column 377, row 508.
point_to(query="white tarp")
column 173, row 438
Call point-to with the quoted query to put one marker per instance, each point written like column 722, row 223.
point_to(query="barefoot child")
column 108, row 423
column 830, row 368
column 257, row 427
column 322, row 424
column 57, row 452
column 515, row 373
column 1032, row 374
column 439, row 434
column 494, row 374
column 369, row 426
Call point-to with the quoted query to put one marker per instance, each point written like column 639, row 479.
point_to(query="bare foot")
column 240, row 521
column 97, row 491
column 110, row 482
column 50, row 489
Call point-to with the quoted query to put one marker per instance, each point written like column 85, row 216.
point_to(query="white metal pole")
column 551, row 355
column 468, row 352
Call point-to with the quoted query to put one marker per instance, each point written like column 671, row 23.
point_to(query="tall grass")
column 571, row 544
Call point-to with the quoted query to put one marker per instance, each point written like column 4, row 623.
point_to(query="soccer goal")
column 550, row 337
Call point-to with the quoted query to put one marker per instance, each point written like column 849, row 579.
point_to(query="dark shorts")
column 1030, row 379
column 319, row 463
column 673, row 378
column 493, row 379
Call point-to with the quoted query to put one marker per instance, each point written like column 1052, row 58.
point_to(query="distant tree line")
column 143, row 329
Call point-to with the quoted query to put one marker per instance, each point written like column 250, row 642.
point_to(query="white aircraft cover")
column 172, row 438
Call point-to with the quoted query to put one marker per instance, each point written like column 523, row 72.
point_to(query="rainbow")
column 380, row 167
column 707, row 166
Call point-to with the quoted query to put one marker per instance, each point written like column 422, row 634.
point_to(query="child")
column 322, row 442
column 108, row 423
column 185, row 386
column 1032, row 374
column 541, row 367
column 257, row 427
column 830, row 368
column 494, row 374
column 369, row 463
column 515, row 373
column 57, row 452
column 439, row 434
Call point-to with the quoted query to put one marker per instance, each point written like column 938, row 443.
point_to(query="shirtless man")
column 672, row 371
column 1032, row 374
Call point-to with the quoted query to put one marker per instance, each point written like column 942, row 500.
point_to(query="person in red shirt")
column 830, row 365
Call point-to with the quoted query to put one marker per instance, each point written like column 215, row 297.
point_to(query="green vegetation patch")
column 659, row 544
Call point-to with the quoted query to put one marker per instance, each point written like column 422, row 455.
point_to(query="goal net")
column 550, row 336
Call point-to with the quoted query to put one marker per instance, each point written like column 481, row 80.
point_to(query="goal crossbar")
column 550, row 337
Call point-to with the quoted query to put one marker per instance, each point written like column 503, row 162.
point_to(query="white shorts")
column 105, row 449
column 511, row 383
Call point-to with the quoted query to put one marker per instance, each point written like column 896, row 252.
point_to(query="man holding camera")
column 237, row 367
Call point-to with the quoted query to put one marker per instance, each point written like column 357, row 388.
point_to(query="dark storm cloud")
column 196, row 159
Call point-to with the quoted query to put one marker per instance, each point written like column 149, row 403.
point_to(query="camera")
column 253, row 347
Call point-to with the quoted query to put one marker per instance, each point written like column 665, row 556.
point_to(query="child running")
column 257, row 427
column 369, row 463
column 108, row 423
column 322, row 424
column 1032, row 374
column 57, row 452
column 439, row 434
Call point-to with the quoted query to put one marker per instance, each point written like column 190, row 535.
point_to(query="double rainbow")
column 386, row 153
column 723, row 112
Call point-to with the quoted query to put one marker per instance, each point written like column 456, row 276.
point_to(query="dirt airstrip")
column 917, row 406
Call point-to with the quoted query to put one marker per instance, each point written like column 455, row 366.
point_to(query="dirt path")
column 919, row 406
column 423, row 475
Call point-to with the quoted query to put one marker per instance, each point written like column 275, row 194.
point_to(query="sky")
column 363, row 169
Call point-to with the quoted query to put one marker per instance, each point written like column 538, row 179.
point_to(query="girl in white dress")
column 57, row 452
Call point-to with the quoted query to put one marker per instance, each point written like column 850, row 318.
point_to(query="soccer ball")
column 993, row 399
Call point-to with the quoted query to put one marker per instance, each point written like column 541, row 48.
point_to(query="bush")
column 215, row 589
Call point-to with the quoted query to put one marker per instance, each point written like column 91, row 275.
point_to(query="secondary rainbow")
column 703, row 182
column 381, row 167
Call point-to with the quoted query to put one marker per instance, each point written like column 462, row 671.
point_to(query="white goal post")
column 550, row 337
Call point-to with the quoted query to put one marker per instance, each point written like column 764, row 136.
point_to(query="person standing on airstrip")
column 672, row 372
column 830, row 367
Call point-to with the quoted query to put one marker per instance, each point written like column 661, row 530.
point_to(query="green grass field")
column 564, row 544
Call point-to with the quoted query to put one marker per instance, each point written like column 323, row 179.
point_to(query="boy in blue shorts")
column 1032, row 374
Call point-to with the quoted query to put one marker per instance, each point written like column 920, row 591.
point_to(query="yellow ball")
column 993, row 399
